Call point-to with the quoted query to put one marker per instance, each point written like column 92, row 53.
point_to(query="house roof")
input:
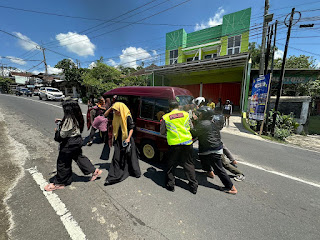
column 221, row 62
column 22, row 74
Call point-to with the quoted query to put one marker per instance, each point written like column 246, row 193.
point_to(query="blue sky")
column 122, row 41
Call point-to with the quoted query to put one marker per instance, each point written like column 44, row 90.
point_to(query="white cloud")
column 92, row 65
column 36, row 72
column 278, row 54
column 53, row 70
column 214, row 21
column 131, row 55
column 76, row 43
column 112, row 63
column 154, row 52
column 16, row 60
column 26, row 43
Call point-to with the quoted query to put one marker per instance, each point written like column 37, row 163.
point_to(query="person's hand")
column 57, row 120
column 127, row 140
column 234, row 162
column 55, row 129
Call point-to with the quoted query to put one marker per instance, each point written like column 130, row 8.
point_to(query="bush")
column 281, row 134
column 285, row 125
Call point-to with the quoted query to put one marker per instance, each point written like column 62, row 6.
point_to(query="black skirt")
column 124, row 164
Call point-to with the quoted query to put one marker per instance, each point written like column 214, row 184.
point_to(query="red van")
column 147, row 106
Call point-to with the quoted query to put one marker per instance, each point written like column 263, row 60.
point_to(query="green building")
column 210, row 62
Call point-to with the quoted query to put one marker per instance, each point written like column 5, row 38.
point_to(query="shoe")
column 170, row 188
column 210, row 174
column 51, row 187
column 96, row 174
column 194, row 190
column 239, row 178
column 232, row 191
column 89, row 143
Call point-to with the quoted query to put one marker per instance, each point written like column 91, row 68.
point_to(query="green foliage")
column 297, row 62
column 70, row 70
column 102, row 78
column 255, row 52
column 314, row 125
column 5, row 84
column 285, row 125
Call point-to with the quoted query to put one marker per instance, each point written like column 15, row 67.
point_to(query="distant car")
column 23, row 91
column 49, row 93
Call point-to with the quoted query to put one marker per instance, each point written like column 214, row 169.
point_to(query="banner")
column 259, row 97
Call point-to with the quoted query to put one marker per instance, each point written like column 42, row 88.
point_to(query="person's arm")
column 107, row 112
column 230, row 109
column 130, row 126
column 163, row 128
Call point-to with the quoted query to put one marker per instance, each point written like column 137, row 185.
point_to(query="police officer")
column 176, row 125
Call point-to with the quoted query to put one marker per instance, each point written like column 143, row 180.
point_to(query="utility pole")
column 264, row 32
column 44, row 61
column 270, row 33
column 282, row 70
column 271, row 72
column 44, row 58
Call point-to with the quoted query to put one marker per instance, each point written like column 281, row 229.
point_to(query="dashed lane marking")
column 60, row 208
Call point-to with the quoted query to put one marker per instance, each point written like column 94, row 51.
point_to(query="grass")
column 314, row 125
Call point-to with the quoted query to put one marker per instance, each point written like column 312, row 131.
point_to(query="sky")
column 127, row 32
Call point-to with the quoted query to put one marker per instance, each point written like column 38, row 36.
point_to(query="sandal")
column 96, row 174
column 51, row 187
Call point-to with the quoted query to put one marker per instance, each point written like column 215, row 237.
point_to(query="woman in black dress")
column 125, row 160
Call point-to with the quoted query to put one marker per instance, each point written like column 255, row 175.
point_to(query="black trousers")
column 93, row 132
column 215, row 160
column 181, row 155
column 64, row 162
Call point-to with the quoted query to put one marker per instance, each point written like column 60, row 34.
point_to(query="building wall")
column 237, row 23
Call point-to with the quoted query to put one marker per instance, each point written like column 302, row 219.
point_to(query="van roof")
column 158, row 92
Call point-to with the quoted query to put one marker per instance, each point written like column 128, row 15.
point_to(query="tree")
column 70, row 70
column 101, row 78
column 255, row 52
column 294, row 62
column 5, row 84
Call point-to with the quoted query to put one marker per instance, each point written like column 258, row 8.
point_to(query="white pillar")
column 201, row 86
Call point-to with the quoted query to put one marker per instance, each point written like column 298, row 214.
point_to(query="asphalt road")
column 279, row 199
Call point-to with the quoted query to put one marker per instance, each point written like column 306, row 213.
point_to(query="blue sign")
column 259, row 97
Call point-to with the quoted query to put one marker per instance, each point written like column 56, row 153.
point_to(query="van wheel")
column 149, row 151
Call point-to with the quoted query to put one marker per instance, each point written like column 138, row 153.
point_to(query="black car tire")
column 149, row 150
column 40, row 98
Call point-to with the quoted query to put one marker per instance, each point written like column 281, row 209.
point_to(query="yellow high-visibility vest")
column 178, row 128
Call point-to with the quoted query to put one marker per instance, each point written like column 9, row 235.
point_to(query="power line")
column 132, row 10
column 131, row 23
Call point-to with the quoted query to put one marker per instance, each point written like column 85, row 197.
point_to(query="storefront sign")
column 259, row 97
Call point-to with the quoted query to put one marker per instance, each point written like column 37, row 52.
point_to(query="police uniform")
column 176, row 125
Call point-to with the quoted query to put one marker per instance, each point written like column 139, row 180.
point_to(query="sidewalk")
column 311, row 142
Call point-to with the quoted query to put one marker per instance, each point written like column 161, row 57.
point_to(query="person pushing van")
column 176, row 126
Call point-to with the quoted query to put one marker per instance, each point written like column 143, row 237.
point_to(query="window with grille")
column 191, row 59
column 234, row 44
column 173, row 56
column 214, row 55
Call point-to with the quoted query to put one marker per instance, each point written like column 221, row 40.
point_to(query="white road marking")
column 60, row 208
column 281, row 174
